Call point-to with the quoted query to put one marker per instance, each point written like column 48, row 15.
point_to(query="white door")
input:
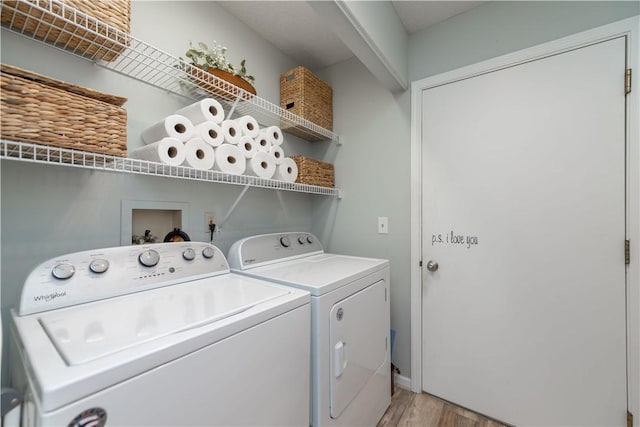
column 524, row 212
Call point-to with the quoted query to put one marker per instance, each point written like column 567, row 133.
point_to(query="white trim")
column 633, row 223
column 403, row 382
column 416, row 238
column 627, row 27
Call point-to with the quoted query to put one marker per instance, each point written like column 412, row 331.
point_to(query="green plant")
column 205, row 57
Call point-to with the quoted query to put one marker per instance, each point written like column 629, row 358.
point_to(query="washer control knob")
column 149, row 258
column 189, row 254
column 309, row 239
column 99, row 265
column 63, row 271
column 284, row 241
column 208, row 252
column 301, row 240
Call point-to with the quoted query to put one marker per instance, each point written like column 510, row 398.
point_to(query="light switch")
column 383, row 225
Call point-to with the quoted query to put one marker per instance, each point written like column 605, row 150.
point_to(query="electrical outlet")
column 209, row 218
column 383, row 225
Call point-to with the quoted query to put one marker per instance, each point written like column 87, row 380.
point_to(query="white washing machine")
column 158, row 335
column 350, row 356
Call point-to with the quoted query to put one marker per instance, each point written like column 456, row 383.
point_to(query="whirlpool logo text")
column 50, row 297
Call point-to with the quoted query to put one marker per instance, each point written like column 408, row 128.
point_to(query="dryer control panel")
column 93, row 275
column 259, row 250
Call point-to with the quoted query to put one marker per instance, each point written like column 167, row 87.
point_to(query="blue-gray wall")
column 50, row 210
column 373, row 166
column 498, row 28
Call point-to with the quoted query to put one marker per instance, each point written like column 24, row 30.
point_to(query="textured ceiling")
column 418, row 15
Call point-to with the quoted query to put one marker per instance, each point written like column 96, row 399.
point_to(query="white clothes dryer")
column 159, row 335
column 350, row 355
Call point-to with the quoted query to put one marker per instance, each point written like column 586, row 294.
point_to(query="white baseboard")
column 403, row 382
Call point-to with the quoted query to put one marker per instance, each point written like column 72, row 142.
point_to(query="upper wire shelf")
column 35, row 153
column 66, row 28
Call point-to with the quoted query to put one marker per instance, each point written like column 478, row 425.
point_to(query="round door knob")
column 432, row 266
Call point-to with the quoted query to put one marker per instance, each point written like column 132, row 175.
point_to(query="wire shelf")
column 35, row 153
column 89, row 38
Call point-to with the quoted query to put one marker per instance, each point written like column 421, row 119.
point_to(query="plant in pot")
column 213, row 61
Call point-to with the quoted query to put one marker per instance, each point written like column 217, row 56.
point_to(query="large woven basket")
column 314, row 172
column 42, row 110
column 304, row 94
column 74, row 25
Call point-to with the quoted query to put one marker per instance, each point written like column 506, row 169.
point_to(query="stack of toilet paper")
column 198, row 136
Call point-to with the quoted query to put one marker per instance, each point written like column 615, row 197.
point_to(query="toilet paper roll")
column 261, row 165
column 168, row 150
column 229, row 159
column 231, row 131
column 247, row 146
column 262, row 142
column 249, row 126
column 207, row 109
column 198, row 154
column 287, row 170
column 209, row 132
column 273, row 134
column 175, row 126
column 278, row 153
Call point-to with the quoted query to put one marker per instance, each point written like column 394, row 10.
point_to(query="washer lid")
column 56, row 383
column 319, row 274
column 90, row 331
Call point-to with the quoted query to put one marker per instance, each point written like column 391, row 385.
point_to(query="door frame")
column 627, row 27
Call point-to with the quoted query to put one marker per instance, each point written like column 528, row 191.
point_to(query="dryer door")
column 358, row 337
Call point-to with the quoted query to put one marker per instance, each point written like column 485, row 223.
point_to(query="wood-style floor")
column 410, row 409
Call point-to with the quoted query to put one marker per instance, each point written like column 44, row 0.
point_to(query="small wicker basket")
column 42, row 110
column 74, row 25
column 220, row 83
column 314, row 172
column 304, row 94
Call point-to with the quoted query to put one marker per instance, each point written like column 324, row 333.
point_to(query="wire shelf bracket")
column 233, row 207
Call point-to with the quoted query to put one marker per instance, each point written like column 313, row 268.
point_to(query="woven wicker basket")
column 221, row 83
column 82, row 31
column 46, row 111
column 314, row 172
column 304, row 94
